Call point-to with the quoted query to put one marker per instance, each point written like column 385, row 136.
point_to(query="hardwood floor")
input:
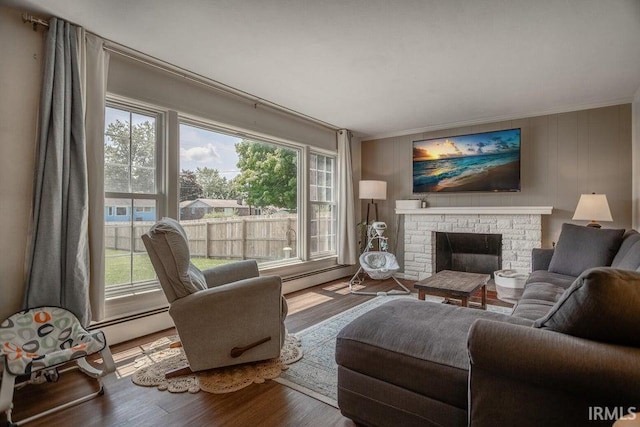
column 267, row 404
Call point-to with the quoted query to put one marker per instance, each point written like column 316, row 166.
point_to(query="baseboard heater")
column 149, row 313
column 314, row 272
column 124, row 319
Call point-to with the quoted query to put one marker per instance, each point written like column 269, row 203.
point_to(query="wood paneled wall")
column 563, row 156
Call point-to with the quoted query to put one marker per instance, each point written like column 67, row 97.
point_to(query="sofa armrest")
column 541, row 258
column 213, row 321
column 527, row 376
column 231, row 272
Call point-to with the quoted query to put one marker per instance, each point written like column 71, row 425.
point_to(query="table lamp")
column 593, row 207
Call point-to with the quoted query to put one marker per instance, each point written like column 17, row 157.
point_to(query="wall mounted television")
column 487, row 161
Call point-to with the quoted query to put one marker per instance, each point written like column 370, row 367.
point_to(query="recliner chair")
column 224, row 315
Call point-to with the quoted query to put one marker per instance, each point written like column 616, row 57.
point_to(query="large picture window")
column 238, row 197
column 132, row 196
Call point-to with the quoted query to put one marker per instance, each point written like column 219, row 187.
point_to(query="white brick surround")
column 521, row 232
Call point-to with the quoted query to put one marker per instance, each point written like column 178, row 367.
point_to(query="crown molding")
column 485, row 120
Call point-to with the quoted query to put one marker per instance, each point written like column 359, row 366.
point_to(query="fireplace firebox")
column 469, row 252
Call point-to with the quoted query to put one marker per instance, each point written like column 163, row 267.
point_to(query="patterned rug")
column 316, row 375
column 158, row 359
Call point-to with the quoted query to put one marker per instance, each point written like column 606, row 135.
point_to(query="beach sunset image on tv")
column 488, row 161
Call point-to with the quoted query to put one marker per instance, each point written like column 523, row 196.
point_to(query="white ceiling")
column 385, row 67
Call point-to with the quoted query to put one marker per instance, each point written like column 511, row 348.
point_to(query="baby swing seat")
column 35, row 342
column 378, row 265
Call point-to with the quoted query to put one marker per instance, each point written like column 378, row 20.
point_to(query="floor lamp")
column 373, row 190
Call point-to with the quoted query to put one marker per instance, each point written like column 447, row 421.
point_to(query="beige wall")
column 563, row 155
column 20, row 65
column 132, row 79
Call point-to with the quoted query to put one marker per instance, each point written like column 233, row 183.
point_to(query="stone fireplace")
column 520, row 228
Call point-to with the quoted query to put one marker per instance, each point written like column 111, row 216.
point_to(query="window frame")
column 302, row 155
column 146, row 298
column 333, row 203
column 134, row 289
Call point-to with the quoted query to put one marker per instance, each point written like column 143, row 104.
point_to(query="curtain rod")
column 159, row 64
column 33, row 20
column 143, row 58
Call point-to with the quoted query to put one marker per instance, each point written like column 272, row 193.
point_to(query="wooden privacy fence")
column 262, row 238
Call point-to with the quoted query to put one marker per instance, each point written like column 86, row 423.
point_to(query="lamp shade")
column 593, row 207
column 373, row 190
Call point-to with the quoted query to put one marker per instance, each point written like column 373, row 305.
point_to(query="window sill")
column 151, row 299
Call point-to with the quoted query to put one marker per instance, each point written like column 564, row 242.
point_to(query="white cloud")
column 201, row 154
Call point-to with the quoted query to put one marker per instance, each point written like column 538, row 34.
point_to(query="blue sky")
column 201, row 148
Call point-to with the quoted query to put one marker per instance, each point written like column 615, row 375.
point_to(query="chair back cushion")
column 581, row 248
column 601, row 305
column 168, row 248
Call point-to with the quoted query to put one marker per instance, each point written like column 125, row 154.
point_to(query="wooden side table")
column 454, row 284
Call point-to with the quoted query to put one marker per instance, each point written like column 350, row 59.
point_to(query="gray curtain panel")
column 58, row 265
column 347, row 243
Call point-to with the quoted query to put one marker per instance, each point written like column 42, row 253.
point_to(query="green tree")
column 214, row 185
column 129, row 157
column 189, row 187
column 268, row 174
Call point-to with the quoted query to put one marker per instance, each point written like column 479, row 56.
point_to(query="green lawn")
column 118, row 266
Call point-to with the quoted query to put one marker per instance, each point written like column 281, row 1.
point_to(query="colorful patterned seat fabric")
column 44, row 337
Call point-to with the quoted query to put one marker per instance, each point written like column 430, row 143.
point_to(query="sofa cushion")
column 628, row 256
column 417, row 345
column 601, row 305
column 556, row 279
column 580, row 248
column 537, row 300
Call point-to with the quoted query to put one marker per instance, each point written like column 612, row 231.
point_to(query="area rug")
column 316, row 375
column 158, row 358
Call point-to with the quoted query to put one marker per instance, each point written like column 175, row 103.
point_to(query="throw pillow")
column 580, row 248
column 628, row 256
column 601, row 305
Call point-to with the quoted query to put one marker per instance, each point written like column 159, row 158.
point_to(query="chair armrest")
column 231, row 272
column 541, row 258
column 525, row 372
column 213, row 321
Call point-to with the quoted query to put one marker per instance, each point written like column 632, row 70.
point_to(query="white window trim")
column 334, row 203
column 126, row 294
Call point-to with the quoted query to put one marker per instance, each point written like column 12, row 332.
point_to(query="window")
column 251, row 188
column 238, row 197
column 131, row 178
column 323, row 224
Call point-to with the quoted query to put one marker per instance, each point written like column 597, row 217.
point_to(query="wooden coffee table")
column 454, row 284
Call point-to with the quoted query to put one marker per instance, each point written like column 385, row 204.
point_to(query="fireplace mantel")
column 479, row 210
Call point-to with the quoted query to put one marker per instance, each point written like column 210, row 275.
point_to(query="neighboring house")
column 121, row 210
column 197, row 209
